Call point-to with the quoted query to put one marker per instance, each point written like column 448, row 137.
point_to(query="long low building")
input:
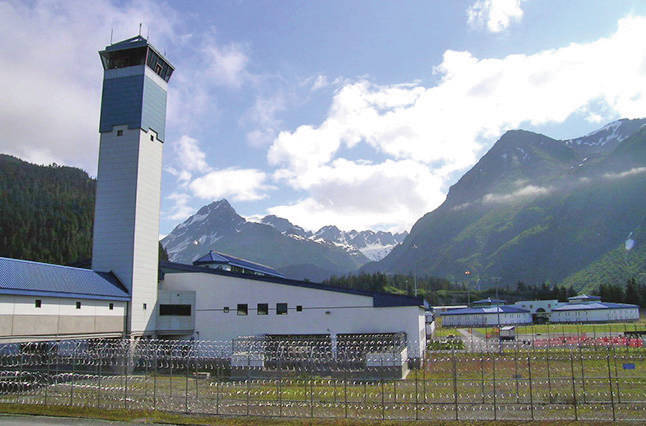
column 486, row 316
column 591, row 309
column 214, row 304
column 40, row 301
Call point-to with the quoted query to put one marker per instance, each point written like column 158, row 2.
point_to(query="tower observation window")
column 123, row 58
column 157, row 64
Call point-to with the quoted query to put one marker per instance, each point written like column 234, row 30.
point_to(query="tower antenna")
column 111, row 32
column 140, row 28
column 148, row 33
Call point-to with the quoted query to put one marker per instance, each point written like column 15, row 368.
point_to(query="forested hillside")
column 46, row 212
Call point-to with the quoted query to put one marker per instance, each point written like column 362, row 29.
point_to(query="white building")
column 223, row 298
column 585, row 308
column 541, row 310
column 486, row 316
column 229, row 304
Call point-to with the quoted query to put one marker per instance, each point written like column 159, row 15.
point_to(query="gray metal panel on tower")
column 153, row 114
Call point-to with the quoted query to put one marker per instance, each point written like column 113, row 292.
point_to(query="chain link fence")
column 354, row 377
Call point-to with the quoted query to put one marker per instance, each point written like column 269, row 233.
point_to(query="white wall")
column 596, row 315
column 533, row 305
column 491, row 319
column 58, row 316
column 126, row 226
column 324, row 312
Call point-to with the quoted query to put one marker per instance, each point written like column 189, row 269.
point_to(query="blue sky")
column 359, row 114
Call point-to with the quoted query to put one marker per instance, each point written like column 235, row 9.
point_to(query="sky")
column 359, row 114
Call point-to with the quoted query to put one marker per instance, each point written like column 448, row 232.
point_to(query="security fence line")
column 309, row 378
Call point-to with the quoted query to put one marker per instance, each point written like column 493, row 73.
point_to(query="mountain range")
column 537, row 209
column 276, row 242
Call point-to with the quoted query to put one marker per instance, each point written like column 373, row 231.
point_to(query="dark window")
column 78, row 305
column 226, row 309
column 263, row 308
column 299, row 308
column 281, row 308
column 145, row 306
column 119, row 132
column 177, row 310
column 111, row 306
column 152, row 137
column 242, row 309
column 38, row 303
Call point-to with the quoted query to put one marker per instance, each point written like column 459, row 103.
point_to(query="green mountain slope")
column 534, row 209
column 46, row 212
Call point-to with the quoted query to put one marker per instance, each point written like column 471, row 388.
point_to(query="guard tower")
column 126, row 219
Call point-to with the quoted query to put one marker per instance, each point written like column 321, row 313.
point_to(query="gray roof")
column 379, row 299
column 593, row 306
column 506, row 309
column 23, row 277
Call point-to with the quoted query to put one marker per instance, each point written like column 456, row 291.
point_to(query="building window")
column 152, row 137
column 78, row 305
column 281, row 308
column 263, row 308
column 176, row 310
column 225, row 310
column 119, row 132
column 145, row 306
column 111, row 306
column 38, row 303
column 242, row 309
column 299, row 308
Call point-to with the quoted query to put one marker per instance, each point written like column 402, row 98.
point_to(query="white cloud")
column 631, row 172
column 189, row 155
column 496, row 15
column 226, row 65
column 522, row 193
column 235, row 184
column 448, row 126
column 363, row 195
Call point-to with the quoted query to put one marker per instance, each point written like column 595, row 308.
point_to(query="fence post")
column 125, row 371
column 416, row 395
column 156, row 361
column 49, row 376
column 516, row 370
column 455, row 386
column 531, row 390
column 98, row 393
column 383, row 396
column 495, row 407
column 582, row 375
column 549, row 375
column 186, row 384
column 72, row 379
column 248, row 376
column 576, row 414
column 612, row 398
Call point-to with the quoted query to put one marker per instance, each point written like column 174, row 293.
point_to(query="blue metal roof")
column 214, row 257
column 593, row 306
column 488, row 300
column 379, row 300
column 23, row 277
column 486, row 310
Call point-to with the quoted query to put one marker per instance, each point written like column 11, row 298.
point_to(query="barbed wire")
column 359, row 376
